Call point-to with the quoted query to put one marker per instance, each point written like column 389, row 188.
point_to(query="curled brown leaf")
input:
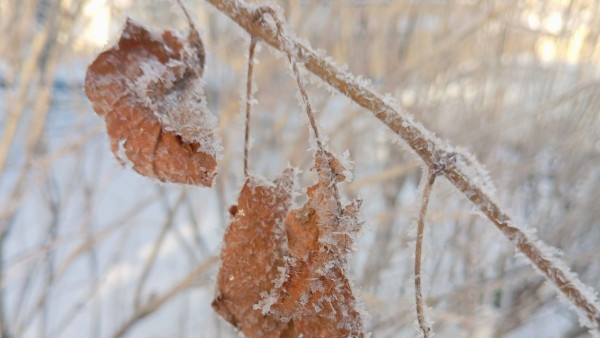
column 147, row 88
column 252, row 251
column 314, row 291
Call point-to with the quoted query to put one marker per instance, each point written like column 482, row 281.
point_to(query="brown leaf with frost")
column 252, row 251
column 322, row 222
column 314, row 291
column 318, row 298
column 147, row 88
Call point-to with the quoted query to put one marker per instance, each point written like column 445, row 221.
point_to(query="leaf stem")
column 186, row 13
column 286, row 45
column 251, row 49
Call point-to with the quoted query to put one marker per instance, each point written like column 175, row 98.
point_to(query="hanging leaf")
column 148, row 89
column 252, row 251
column 313, row 290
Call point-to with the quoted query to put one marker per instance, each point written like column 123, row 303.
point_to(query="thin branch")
column 90, row 242
column 425, row 329
column 19, row 103
column 248, row 102
column 41, row 164
column 97, row 284
column 79, row 251
column 394, row 172
column 431, row 150
column 149, row 263
column 156, row 303
column 187, row 14
column 307, row 105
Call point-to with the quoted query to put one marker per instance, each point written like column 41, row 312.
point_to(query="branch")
column 248, row 102
column 460, row 170
column 146, row 309
column 425, row 329
column 158, row 242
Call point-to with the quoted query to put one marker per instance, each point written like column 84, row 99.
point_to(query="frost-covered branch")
column 429, row 178
column 248, row 102
column 461, row 170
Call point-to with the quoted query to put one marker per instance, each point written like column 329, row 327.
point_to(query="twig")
column 397, row 171
column 248, row 101
column 154, row 304
column 22, row 185
column 15, row 110
column 67, row 262
column 431, row 150
column 149, row 263
column 91, row 241
column 96, row 287
column 187, row 14
column 418, row 251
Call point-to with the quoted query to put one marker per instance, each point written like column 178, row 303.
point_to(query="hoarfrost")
column 122, row 155
column 468, row 164
column 266, row 301
column 348, row 164
column 183, row 109
column 148, row 90
column 312, row 287
column 252, row 251
column 561, row 275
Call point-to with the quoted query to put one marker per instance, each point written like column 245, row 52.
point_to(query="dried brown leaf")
column 314, row 291
column 252, row 251
column 147, row 88
column 318, row 298
column 322, row 222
